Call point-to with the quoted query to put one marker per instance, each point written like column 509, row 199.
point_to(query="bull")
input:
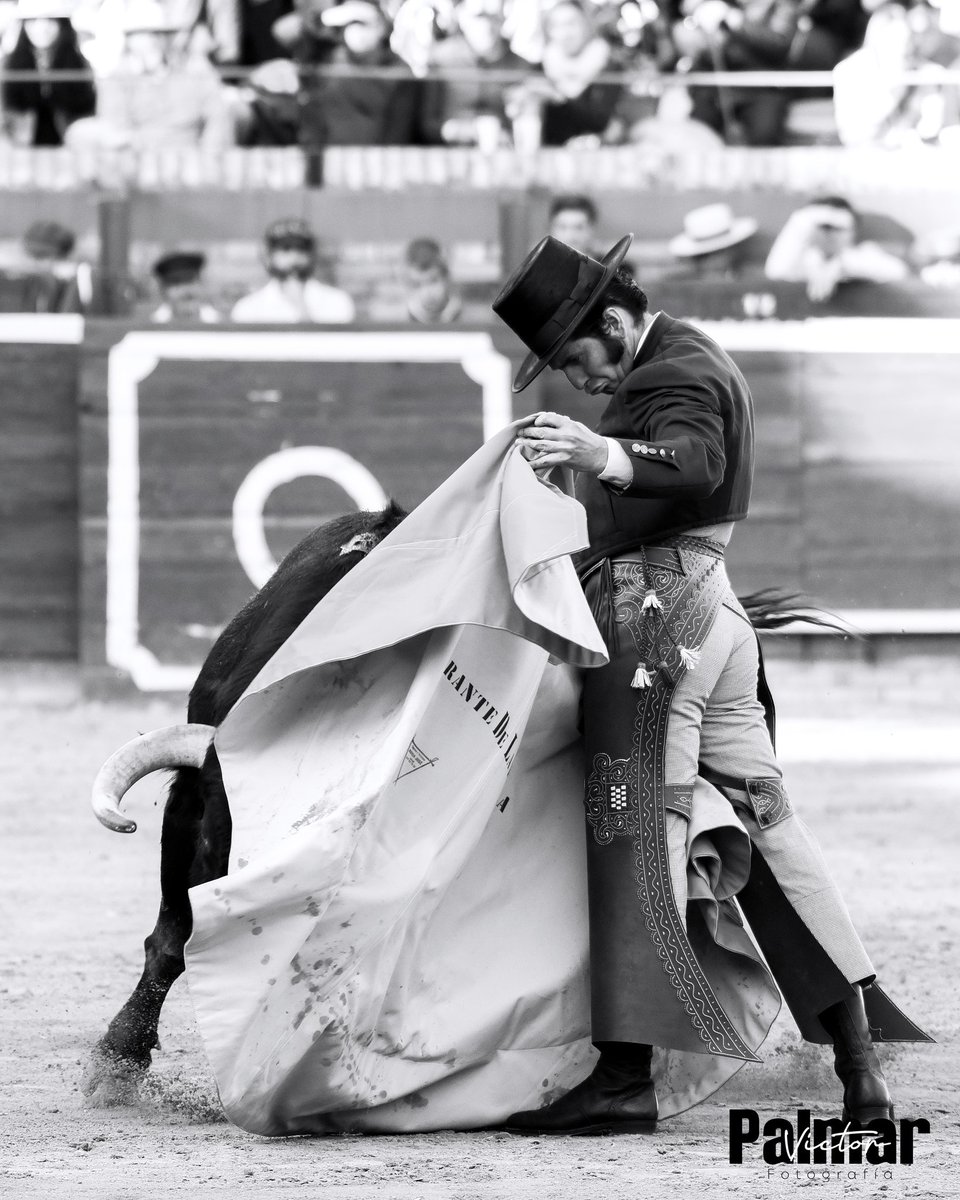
column 196, row 830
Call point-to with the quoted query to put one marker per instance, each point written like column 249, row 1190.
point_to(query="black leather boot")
column 618, row 1097
column 865, row 1095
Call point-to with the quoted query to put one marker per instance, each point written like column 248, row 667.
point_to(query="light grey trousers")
column 716, row 718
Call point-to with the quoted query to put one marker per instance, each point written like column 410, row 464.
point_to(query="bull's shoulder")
column 265, row 622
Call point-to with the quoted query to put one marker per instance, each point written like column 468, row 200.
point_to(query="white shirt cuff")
column 619, row 468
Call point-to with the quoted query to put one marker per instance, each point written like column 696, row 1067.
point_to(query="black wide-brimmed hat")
column 546, row 298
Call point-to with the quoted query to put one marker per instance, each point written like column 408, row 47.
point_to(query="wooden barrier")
column 39, row 549
column 205, row 455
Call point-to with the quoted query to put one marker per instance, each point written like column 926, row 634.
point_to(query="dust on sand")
column 78, row 902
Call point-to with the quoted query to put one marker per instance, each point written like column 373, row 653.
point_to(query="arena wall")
column 152, row 477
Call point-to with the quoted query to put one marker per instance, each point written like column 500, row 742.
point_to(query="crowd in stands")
column 824, row 246
column 468, row 72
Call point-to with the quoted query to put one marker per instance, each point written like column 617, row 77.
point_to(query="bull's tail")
column 774, row 608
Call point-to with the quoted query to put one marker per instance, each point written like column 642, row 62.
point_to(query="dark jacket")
column 684, row 416
column 360, row 112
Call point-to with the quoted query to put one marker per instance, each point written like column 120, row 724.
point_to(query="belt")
column 663, row 554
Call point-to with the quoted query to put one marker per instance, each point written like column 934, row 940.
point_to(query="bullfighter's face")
column 592, row 364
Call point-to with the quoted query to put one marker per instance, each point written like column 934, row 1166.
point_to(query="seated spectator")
column 713, row 240
column 669, row 133
column 430, row 296
column 35, row 113
column 819, row 246
column 762, row 35
column 573, row 219
column 470, row 111
column 45, row 277
column 293, row 295
column 571, row 103
column 871, row 105
column 356, row 111
column 179, row 277
column 160, row 93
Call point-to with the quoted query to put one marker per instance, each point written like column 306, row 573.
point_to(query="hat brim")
column 534, row 363
column 683, row 246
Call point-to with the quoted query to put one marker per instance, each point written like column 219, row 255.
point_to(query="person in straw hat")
column 713, row 239
column 663, row 477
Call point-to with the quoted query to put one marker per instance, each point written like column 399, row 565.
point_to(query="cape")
column 400, row 942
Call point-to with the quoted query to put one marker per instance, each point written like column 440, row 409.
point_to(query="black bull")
column 196, row 833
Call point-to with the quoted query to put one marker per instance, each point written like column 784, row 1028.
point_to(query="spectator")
column 48, row 279
column 762, row 35
column 871, row 105
column 160, row 93
column 573, row 219
column 292, row 295
column 669, row 133
column 470, row 112
column 713, row 240
column 179, row 277
column 572, row 104
column 431, row 298
column 818, row 246
column 356, row 111
column 35, row 113
column 417, row 27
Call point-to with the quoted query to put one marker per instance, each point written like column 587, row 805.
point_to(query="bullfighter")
column 664, row 477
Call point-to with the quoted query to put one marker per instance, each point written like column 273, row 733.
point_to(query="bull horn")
column 174, row 746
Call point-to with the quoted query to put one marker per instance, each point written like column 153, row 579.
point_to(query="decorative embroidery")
column 688, row 617
column 611, row 808
column 769, row 801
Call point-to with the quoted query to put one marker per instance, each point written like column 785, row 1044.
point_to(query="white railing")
column 395, row 168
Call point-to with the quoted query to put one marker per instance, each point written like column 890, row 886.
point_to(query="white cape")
column 401, row 941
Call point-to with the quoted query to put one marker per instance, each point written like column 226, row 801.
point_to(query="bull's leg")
column 194, row 848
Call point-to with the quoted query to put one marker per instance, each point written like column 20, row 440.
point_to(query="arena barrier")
column 201, row 456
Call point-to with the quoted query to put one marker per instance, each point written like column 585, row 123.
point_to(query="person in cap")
column 819, row 246
column 35, row 113
column 713, row 240
column 179, row 277
column 664, row 476
column 292, row 294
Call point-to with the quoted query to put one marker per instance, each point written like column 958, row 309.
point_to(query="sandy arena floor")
column 873, row 761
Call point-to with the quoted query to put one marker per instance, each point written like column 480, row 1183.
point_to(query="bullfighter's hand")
column 552, row 440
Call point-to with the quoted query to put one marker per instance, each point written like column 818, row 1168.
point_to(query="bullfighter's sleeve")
column 678, row 445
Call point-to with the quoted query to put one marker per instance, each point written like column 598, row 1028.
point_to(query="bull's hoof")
column 110, row 1080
